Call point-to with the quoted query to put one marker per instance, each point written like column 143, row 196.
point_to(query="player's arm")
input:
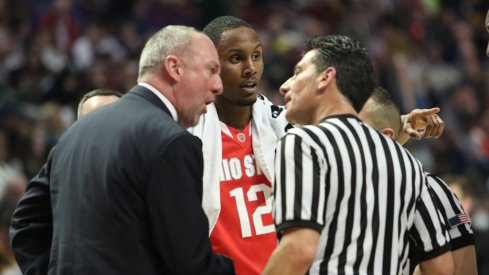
column 421, row 123
column 295, row 252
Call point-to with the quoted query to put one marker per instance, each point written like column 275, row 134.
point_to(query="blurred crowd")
column 426, row 52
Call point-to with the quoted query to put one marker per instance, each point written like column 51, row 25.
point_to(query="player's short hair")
column 219, row 25
column 96, row 92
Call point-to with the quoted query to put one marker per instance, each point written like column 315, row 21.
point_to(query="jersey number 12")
column 244, row 220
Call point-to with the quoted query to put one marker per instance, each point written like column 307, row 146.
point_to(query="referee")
column 381, row 112
column 346, row 197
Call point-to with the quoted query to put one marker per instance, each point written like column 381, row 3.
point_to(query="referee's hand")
column 423, row 123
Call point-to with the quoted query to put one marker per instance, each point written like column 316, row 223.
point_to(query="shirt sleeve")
column 429, row 233
column 179, row 225
column 297, row 185
column 453, row 214
column 31, row 227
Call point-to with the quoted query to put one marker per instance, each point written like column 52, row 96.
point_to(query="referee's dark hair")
column 217, row 26
column 96, row 92
column 355, row 75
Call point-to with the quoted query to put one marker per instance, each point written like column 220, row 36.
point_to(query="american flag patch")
column 459, row 219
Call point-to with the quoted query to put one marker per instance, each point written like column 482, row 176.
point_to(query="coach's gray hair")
column 169, row 40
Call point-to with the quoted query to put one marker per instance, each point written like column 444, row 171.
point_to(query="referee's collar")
column 341, row 116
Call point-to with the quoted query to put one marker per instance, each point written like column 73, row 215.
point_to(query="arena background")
column 426, row 52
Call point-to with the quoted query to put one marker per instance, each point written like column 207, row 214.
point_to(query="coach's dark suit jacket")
column 125, row 188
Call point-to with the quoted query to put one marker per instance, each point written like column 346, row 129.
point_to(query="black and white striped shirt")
column 361, row 191
column 456, row 219
column 453, row 215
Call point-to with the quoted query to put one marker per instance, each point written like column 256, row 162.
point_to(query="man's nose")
column 217, row 88
column 284, row 88
column 250, row 68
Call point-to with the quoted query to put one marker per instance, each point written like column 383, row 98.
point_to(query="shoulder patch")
column 458, row 219
column 276, row 110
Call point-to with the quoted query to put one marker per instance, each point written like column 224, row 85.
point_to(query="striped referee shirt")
column 456, row 220
column 361, row 191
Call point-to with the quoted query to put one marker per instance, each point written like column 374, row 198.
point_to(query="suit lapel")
column 149, row 96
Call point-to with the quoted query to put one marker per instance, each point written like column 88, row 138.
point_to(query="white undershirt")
column 165, row 100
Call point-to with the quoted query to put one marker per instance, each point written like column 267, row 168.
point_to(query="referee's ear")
column 326, row 78
column 388, row 132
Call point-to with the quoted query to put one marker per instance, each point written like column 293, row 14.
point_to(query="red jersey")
column 244, row 230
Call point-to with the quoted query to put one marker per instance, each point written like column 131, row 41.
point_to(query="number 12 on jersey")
column 241, row 205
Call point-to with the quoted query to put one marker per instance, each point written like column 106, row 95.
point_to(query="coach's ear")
column 172, row 68
column 389, row 132
column 326, row 79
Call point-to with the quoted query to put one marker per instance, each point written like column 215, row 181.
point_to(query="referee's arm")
column 442, row 264
column 297, row 168
column 461, row 235
column 432, row 237
column 464, row 259
column 295, row 253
